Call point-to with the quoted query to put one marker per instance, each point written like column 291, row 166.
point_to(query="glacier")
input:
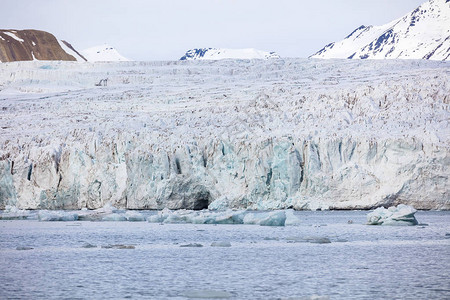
column 246, row 134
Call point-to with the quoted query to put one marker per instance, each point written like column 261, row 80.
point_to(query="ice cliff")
column 291, row 133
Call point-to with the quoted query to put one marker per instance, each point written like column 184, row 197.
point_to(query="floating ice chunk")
column 192, row 245
column 155, row 219
column 134, row 216
column 108, row 208
column 318, row 240
column 46, row 215
column 115, row 217
column 88, row 245
column 275, row 218
column 24, row 248
column 179, row 217
column 252, row 219
column 291, row 219
column 221, row 244
column 402, row 215
column 13, row 213
column 118, row 246
column 226, row 217
column 206, row 294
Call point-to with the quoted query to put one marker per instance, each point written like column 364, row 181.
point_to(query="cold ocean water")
column 325, row 257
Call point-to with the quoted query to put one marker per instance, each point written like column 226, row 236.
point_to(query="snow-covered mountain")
column 103, row 53
column 217, row 54
column 421, row 34
column 21, row 45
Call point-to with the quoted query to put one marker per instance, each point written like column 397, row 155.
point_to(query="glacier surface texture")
column 248, row 134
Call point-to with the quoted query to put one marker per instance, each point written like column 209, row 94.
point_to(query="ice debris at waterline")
column 13, row 213
column 112, row 214
column 397, row 216
column 46, row 215
column 273, row 218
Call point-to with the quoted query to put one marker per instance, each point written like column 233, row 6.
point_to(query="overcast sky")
column 165, row 29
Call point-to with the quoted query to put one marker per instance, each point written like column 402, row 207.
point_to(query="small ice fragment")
column 221, row 244
column 320, row 241
column 134, row 216
column 88, row 245
column 271, row 239
column 24, row 248
column 192, row 245
column 114, row 217
column 118, row 246
column 317, row 240
column 206, row 294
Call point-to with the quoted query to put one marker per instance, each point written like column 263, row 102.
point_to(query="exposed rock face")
column 300, row 134
column 22, row 45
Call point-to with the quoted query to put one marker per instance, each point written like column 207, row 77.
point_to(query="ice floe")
column 402, row 215
column 52, row 215
column 220, row 244
column 273, row 218
column 13, row 213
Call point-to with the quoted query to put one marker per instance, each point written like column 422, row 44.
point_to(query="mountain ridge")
column 31, row 44
column 424, row 33
column 103, row 52
column 225, row 53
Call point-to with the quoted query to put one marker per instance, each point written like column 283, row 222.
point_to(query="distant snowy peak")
column 217, row 54
column 424, row 33
column 103, row 53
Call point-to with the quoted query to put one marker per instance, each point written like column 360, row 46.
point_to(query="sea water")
column 330, row 255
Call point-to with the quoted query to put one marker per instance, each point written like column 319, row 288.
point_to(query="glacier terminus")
column 305, row 134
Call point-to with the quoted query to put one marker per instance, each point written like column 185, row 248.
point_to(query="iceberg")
column 291, row 218
column 115, row 217
column 134, row 216
column 220, row 244
column 47, row 215
column 402, row 215
column 273, row 218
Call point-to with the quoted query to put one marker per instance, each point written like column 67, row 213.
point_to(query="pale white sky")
column 166, row 29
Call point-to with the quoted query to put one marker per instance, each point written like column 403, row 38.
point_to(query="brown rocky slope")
column 19, row 45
